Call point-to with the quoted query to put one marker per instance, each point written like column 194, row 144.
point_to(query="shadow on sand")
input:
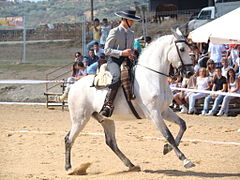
column 192, row 173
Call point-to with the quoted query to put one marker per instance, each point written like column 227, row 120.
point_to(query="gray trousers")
column 114, row 69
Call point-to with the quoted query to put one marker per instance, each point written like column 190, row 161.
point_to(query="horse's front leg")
column 156, row 116
column 171, row 116
column 109, row 130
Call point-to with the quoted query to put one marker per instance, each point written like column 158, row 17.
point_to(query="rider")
column 119, row 47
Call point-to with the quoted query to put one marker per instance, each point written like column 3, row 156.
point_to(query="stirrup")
column 106, row 111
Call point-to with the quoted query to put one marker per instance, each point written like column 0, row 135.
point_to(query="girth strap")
column 131, row 106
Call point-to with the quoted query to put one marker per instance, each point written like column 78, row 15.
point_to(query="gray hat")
column 128, row 14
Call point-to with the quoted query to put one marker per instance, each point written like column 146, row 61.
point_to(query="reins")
column 179, row 55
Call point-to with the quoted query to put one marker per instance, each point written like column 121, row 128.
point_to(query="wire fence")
column 56, row 43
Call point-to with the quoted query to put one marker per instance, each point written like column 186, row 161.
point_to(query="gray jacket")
column 118, row 40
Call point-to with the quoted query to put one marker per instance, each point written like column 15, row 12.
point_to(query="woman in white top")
column 233, row 87
column 203, row 83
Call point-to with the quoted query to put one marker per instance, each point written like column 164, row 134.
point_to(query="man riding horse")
column 119, row 48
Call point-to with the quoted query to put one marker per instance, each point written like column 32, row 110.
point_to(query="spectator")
column 202, row 83
column 181, row 98
column 96, row 30
column 78, row 57
column 215, row 52
column 237, row 64
column 105, row 28
column 97, row 49
column 211, row 68
column 78, row 71
column 219, row 84
column 225, row 67
column 90, row 59
column 93, row 68
column 233, row 54
column 148, row 41
column 137, row 47
column 233, row 87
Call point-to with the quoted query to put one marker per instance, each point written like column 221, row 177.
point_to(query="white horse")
column 153, row 97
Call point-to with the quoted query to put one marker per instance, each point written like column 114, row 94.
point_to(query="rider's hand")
column 127, row 52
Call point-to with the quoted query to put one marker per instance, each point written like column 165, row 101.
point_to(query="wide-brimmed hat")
column 128, row 14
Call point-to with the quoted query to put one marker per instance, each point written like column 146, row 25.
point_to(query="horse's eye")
column 182, row 49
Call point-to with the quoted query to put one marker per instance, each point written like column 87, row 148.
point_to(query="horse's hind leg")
column 109, row 130
column 169, row 115
column 77, row 125
column 158, row 120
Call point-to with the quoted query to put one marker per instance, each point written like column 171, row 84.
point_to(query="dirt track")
column 39, row 152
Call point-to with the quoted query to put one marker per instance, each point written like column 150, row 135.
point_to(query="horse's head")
column 179, row 54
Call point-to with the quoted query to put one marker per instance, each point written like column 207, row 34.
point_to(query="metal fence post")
column 23, row 60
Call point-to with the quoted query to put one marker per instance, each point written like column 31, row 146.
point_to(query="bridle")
column 182, row 68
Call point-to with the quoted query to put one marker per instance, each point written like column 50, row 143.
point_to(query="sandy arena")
column 32, row 147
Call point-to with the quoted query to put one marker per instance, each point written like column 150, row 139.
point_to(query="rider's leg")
column 114, row 69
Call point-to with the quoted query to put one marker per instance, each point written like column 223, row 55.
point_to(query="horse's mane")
column 155, row 46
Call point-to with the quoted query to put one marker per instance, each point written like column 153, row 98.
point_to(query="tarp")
column 223, row 30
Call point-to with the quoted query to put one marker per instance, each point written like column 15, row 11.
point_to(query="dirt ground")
column 32, row 147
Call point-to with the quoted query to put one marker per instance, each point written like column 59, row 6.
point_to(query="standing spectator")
column 137, row 47
column 233, row 87
column 233, row 54
column 203, row 83
column 237, row 64
column 96, row 30
column 90, row 59
column 215, row 52
column 78, row 57
column 225, row 67
column 105, row 28
column 219, row 84
column 148, row 41
column 97, row 49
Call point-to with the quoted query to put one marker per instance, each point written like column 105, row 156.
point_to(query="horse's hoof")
column 68, row 167
column 188, row 164
column 166, row 149
column 134, row 169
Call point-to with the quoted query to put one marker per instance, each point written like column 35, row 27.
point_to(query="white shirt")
column 100, row 51
column 203, row 83
column 225, row 70
column 216, row 51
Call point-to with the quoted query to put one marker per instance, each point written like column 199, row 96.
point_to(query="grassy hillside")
column 56, row 11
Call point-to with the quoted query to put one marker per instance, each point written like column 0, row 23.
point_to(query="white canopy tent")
column 223, row 30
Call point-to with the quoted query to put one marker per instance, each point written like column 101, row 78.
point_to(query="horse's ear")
column 177, row 33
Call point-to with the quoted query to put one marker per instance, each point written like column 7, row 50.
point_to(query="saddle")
column 104, row 78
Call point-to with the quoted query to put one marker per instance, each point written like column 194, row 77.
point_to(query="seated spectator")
column 97, row 49
column 90, row 59
column 78, row 71
column 105, row 28
column 93, row 68
column 78, row 56
column 202, row 83
column 219, row 84
column 211, row 68
column 181, row 98
column 233, row 87
column 96, row 31
column 225, row 67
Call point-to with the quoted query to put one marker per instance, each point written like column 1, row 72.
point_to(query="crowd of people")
column 217, row 68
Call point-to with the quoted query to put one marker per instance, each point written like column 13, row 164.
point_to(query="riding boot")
column 108, row 104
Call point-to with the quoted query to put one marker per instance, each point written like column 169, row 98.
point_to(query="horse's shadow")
column 192, row 173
